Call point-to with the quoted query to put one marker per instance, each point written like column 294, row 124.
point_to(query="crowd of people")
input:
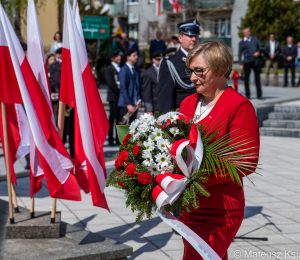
column 253, row 51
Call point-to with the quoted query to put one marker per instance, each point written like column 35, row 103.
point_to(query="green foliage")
column 122, row 130
column 278, row 16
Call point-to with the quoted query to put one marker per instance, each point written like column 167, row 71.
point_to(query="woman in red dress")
column 220, row 215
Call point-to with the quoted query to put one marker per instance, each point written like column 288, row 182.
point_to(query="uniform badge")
column 184, row 59
column 195, row 22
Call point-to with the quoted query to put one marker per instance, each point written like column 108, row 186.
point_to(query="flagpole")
column 7, row 164
column 60, row 126
column 15, row 198
column 32, row 207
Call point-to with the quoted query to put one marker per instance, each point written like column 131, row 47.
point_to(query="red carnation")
column 118, row 165
column 145, row 178
column 119, row 173
column 127, row 137
column 136, row 150
column 130, row 169
column 121, row 184
column 123, row 156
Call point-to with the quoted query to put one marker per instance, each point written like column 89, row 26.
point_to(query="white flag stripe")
column 24, row 131
column 79, row 64
column 78, row 24
column 47, row 151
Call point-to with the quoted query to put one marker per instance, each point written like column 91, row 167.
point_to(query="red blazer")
column 239, row 113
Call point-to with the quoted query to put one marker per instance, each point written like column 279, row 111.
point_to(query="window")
column 221, row 28
column 132, row 2
column 133, row 31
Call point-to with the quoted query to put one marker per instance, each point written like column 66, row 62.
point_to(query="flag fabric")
column 55, row 160
column 17, row 133
column 78, row 89
column 176, row 6
column 158, row 7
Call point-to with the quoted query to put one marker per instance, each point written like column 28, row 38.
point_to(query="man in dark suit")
column 250, row 47
column 272, row 52
column 130, row 82
column 149, row 84
column 157, row 44
column 113, row 92
column 289, row 53
column 174, row 85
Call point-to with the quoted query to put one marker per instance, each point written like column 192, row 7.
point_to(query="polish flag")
column 79, row 90
column 176, row 6
column 158, row 7
column 17, row 131
column 55, row 160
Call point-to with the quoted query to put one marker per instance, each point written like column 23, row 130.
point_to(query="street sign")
column 95, row 27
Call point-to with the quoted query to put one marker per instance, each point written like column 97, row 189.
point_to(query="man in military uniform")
column 173, row 83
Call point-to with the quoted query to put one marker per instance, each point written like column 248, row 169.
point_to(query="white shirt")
column 117, row 66
column 290, row 45
column 130, row 67
column 205, row 110
column 59, row 45
column 272, row 47
column 155, row 66
column 298, row 50
column 184, row 51
column 246, row 39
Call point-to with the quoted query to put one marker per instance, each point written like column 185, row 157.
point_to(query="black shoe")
column 293, row 85
column 261, row 98
column 27, row 167
column 111, row 143
column 248, row 97
column 285, row 85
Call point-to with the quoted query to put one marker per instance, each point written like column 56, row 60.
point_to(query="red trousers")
column 218, row 219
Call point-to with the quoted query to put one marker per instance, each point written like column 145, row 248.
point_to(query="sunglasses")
column 198, row 72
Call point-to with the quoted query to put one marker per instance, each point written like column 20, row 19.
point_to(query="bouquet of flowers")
column 164, row 162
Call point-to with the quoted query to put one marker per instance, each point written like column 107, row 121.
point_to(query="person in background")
column 174, row 43
column 250, row 46
column 57, row 42
column 54, row 72
column 272, row 51
column 170, row 51
column 289, row 54
column 157, row 44
column 124, row 40
column 94, row 70
column 134, row 46
column 117, row 43
column 50, row 59
column 174, row 85
column 149, row 84
column 297, row 60
column 130, row 82
column 147, row 56
column 113, row 93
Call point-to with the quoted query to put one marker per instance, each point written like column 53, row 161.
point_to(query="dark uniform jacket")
column 54, row 79
column 149, row 89
column 113, row 91
column 289, row 52
column 276, row 51
column 170, row 93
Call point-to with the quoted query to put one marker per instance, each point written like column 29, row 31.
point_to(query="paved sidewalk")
column 272, row 210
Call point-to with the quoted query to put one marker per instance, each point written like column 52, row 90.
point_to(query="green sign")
column 95, row 27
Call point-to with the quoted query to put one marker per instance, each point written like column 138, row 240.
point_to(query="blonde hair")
column 216, row 54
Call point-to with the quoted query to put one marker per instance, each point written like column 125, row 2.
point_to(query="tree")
column 278, row 16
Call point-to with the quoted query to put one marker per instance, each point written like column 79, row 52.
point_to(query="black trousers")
column 247, row 68
column 114, row 112
column 286, row 71
column 123, row 112
column 69, row 130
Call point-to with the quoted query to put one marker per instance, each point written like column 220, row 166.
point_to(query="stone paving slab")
column 272, row 210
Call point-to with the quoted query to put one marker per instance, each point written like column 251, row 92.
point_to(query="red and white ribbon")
column 172, row 185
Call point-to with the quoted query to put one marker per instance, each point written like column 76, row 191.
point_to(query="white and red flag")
column 176, row 6
column 17, row 130
column 79, row 90
column 158, row 7
column 55, row 160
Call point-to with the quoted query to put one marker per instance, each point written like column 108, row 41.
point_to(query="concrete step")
column 269, row 131
column 291, row 124
column 284, row 115
column 284, row 108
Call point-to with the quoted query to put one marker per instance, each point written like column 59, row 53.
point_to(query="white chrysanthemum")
column 154, row 169
column 146, row 117
column 174, row 130
column 151, row 137
column 136, row 136
column 167, row 169
column 148, row 162
column 158, row 133
column 133, row 126
column 163, row 159
column 173, row 118
column 143, row 128
column 162, row 145
column 149, row 145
